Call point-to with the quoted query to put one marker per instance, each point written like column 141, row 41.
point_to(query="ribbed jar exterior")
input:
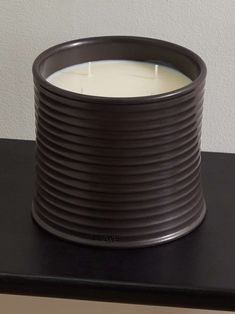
column 118, row 172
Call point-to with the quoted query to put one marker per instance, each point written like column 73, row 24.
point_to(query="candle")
column 120, row 170
column 119, row 78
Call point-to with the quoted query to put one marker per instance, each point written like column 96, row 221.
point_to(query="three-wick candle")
column 119, row 78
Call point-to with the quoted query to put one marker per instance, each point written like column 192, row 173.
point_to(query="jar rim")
column 193, row 57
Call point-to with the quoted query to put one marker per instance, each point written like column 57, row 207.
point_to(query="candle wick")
column 155, row 70
column 89, row 68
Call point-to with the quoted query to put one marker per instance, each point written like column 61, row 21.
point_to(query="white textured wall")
column 27, row 27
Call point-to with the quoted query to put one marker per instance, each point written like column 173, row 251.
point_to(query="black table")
column 195, row 271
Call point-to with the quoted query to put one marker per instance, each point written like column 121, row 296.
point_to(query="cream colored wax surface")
column 120, row 78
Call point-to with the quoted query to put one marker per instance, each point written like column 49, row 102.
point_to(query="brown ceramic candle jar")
column 118, row 171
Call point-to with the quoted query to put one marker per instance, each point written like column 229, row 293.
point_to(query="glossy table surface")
column 196, row 271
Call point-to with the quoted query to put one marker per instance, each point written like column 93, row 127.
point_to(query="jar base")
column 112, row 242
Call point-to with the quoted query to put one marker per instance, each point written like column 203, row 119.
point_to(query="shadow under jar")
column 118, row 171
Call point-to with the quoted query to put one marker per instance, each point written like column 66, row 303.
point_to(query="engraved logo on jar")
column 106, row 238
